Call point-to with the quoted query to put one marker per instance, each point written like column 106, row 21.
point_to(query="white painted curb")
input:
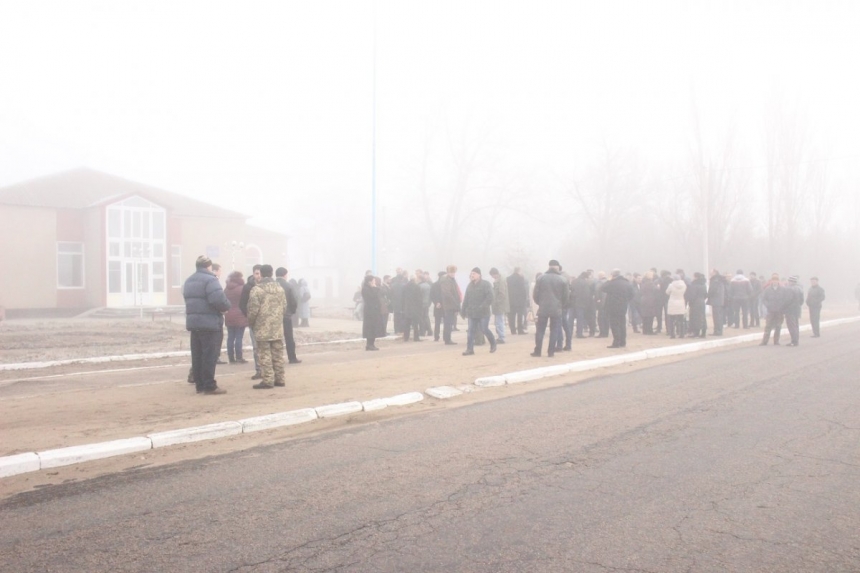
column 332, row 410
column 374, row 405
column 487, row 381
column 278, row 420
column 443, row 392
column 77, row 454
column 196, row 434
column 404, row 399
column 19, row 464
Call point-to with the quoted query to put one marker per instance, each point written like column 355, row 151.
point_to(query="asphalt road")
column 743, row 460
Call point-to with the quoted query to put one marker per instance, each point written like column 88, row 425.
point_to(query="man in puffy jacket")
column 551, row 295
column 477, row 304
column 205, row 302
column 267, row 306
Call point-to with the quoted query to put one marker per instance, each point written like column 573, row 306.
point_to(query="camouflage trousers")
column 271, row 354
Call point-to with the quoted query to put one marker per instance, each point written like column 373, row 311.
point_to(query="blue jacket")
column 205, row 302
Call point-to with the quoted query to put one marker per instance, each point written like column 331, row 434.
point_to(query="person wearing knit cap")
column 477, row 303
column 205, row 303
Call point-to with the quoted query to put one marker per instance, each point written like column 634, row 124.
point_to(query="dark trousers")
column 603, row 322
column 205, row 346
column 772, row 323
column 517, row 321
column 755, row 317
column 567, row 328
column 235, row 337
column 698, row 320
column 618, row 325
column 289, row 340
column 677, row 326
column 740, row 307
column 554, row 333
column 448, row 324
column 591, row 317
column 437, row 318
column 580, row 316
column 479, row 324
column 815, row 319
column 411, row 323
column 659, row 318
column 718, row 315
column 647, row 325
column 425, row 322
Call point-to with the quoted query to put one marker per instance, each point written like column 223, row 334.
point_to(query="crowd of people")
column 583, row 305
column 268, row 304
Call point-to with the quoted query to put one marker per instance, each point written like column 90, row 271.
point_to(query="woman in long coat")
column 371, row 326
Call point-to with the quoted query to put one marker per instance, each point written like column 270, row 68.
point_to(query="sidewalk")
column 59, row 409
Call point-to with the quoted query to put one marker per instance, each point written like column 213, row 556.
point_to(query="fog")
column 506, row 133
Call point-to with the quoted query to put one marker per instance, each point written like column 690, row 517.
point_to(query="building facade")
column 84, row 239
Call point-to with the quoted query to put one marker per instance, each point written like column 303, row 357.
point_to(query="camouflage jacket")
column 266, row 307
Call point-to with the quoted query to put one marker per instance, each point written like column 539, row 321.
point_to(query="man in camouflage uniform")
column 266, row 307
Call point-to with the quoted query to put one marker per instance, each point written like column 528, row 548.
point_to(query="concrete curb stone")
column 19, row 464
column 85, row 453
column 278, row 420
column 342, row 409
column 195, row 434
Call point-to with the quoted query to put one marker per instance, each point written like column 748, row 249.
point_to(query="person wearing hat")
column 814, row 298
column 551, row 294
column 205, row 303
column 477, row 303
column 501, row 305
column 793, row 308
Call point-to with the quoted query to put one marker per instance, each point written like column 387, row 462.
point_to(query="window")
column 176, row 266
column 114, row 277
column 70, row 265
column 157, row 276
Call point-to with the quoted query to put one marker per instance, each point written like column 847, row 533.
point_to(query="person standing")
column 372, row 324
column 774, row 301
column 793, row 308
column 425, row 285
column 450, row 302
column 292, row 306
column 436, row 302
column 650, row 305
column 676, row 307
column 501, row 304
column 205, row 302
column 551, row 293
column 243, row 306
column 740, row 293
column 717, row 301
column 267, row 307
column 412, row 306
column 697, row 293
column 618, row 294
column 565, row 340
column 518, row 300
column 477, row 305
column 634, row 312
column 814, row 298
column 600, row 306
column 236, row 321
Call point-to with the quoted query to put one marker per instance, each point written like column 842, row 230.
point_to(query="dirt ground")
column 85, row 403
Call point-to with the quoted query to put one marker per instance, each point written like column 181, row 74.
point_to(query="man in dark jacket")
column 205, row 302
column 398, row 282
column 436, row 303
column 740, row 293
column 551, row 295
column 775, row 299
column 477, row 304
column 580, row 293
column 253, row 280
column 618, row 293
column 717, row 301
column 450, row 302
column 696, row 295
column 292, row 306
column 814, row 298
column 412, row 303
column 518, row 299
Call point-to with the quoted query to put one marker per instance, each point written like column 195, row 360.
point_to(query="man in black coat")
column 413, row 306
column 205, row 303
column 696, row 295
column 292, row 306
column 518, row 300
column 477, row 307
column 618, row 293
column 583, row 299
column 551, row 295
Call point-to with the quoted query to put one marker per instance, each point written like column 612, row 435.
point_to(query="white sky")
column 265, row 107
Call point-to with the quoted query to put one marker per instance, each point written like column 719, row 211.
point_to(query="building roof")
column 84, row 188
